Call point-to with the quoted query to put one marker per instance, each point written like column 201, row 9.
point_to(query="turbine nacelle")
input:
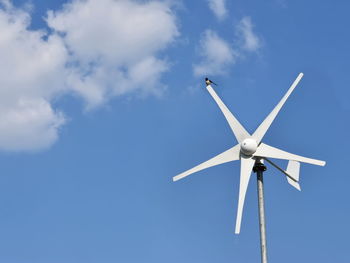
column 249, row 146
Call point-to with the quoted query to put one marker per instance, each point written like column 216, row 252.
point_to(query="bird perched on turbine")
column 208, row 82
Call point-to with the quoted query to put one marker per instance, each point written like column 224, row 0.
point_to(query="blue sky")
column 103, row 102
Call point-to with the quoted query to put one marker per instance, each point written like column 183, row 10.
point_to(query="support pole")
column 259, row 168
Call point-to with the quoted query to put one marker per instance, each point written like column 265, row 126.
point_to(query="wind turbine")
column 251, row 151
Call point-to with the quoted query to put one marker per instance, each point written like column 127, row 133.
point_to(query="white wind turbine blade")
column 268, row 151
column 247, row 164
column 264, row 126
column 231, row 154
column 238, row 130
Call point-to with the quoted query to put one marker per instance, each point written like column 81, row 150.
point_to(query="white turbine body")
column 250, row 148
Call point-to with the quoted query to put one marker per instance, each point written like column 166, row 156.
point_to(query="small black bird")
column 208, row 82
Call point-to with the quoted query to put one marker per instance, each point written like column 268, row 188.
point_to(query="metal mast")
column 259, row 168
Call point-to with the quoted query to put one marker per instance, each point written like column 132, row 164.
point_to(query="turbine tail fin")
column 293, row 169
column 292, row 172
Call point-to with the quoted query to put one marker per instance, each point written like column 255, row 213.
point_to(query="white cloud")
column 29, row 124
column 218, row 7
column 216, row 53
column 98, row 49
column 110, row 41
column 249, row 41
column 31, row 73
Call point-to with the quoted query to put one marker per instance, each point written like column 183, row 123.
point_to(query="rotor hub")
column 249, row 146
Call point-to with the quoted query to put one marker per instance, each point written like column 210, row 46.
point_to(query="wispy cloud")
column 218, row 7
column 216, row 53
column 247, row 39
column 97, row 49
